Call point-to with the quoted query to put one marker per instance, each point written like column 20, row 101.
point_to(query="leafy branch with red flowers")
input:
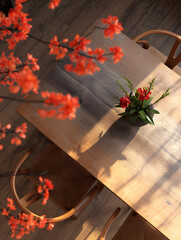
column 20, row 77
column 24, row 223
column 137, row 103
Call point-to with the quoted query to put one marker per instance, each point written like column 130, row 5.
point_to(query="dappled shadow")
column 118, row 136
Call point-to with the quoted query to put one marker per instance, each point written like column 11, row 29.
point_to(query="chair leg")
column 91, row 195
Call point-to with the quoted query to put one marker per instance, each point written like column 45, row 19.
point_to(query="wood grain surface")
column 71, row 18
column 140, row 165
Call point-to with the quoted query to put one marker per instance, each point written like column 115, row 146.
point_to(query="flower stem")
column 21, row 100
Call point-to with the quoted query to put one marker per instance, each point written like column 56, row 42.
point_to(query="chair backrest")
column 73, row 212
column 172, row 60
column 133, row 228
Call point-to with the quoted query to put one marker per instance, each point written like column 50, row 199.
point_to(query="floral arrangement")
column 137, row 103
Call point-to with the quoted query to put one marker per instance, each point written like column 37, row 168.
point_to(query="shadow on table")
column 109, row 148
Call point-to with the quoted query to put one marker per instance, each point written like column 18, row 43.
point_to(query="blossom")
column 65, row 105
column 114, row 27
column 24, row 223
column 50, row 226
column 54, row 3
column 8, row 63
column 5, row 212
column 16, row 141
column 32, row 62
column 99, row 52
column 24, row 80
column 117, row 53
column 19, row 131
column 10, row 204
column 79, row 43
column 124, row 102
column 44, row 188
column 57, row 50
column 143, row 93
column 17, row 20
column 68, row 108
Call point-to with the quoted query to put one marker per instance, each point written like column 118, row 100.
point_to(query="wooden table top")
column 142, row 166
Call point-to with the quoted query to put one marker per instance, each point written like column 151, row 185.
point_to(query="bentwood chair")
column 133, row 228
column 74, row 188
column 171, row 61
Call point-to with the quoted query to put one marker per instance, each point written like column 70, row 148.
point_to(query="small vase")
column 139, row 122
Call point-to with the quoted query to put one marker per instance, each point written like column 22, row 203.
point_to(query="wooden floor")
column 73, row 17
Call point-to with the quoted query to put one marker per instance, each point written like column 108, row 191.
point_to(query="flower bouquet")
column 138, row 104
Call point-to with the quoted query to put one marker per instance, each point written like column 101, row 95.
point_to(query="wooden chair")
column 134, row 228
column 74, row 188
column 171, row 61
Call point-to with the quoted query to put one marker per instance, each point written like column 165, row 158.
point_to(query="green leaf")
column 133, row 110
column 133, row 118
column 123, row 114
column 122, row 88
column 146, row 102
column 150, row 119
column 142, row 114
column 154, row 111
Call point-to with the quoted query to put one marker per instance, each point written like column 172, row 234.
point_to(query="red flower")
column 114, row 27
column 1, row 147
column 48, row 183
column 124, row 102
column 45, row 188
column 117, row 53
column 10, row 204
column 54, row 3
column 26, row 80
column 143, row 93
column 16, row 141
column 5, row 212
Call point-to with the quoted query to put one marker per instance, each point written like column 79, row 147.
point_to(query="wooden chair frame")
column 109, row 223
column 171, row 61
column 34, row 196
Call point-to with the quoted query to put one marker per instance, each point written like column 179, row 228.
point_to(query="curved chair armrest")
column 172, row 60
column 109, row 223
column 157, row 31
column 74, row 211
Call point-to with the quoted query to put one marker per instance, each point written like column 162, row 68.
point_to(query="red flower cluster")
column 83, row 58
column 17, row 75
column 8, row 63
column 3, row 133
column 114, row 27
column 67, row 103
column 143, row 93
column 24, row 223
column 54, row 3
column 24, row 80
column 124, row 102
column 117, row 53
column 57, row 50
column 44, row 188
column 19, row 131
column 18, row 22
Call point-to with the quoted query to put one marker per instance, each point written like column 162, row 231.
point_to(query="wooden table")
column 142, row 166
